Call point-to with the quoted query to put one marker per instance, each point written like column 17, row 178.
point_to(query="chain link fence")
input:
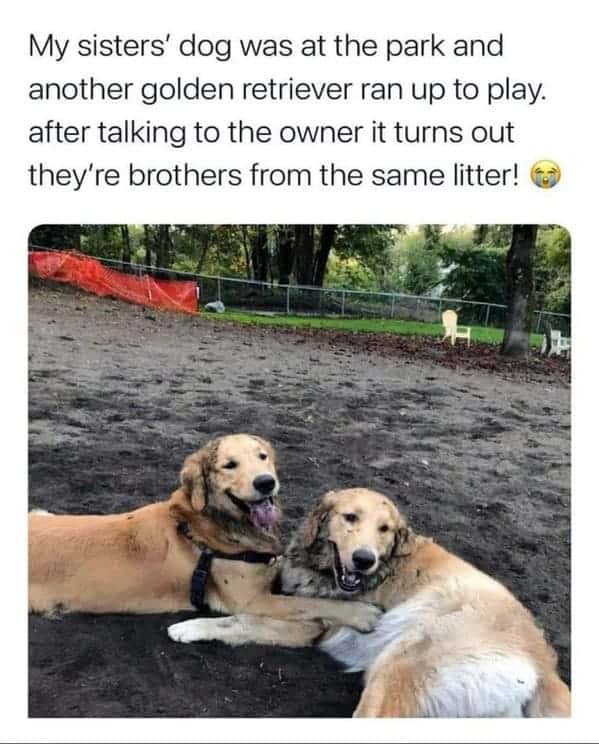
column 245, row 294
column 290, row 299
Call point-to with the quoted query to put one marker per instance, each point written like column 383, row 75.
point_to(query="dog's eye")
column 351, row 518
column 231, row 465
column 384, row 528
column 263, row 456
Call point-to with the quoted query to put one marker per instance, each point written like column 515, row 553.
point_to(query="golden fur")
column 140, row 562
column 447, row 622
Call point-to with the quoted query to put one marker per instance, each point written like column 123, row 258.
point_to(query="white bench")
column 559, row 343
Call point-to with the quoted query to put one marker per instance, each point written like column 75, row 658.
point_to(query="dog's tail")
column 551, row 699
column 41, row 511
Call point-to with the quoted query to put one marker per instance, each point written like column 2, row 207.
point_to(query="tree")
column 126, row 254
column 147, row 246
column 164, row 246
column 259, row 254
column 432, row 236
column 519, row 291
column 479, row 234
column 552, row 269
column 304, row 254
column 65, row 237
column 284, row 251
column 326, row 242
column 372, row 246
column 474, row 272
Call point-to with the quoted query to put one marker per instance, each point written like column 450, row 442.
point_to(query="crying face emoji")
column 545, row 174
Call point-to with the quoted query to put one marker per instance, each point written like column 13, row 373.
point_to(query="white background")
column 545, row 41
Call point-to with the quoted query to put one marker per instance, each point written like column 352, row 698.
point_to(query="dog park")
column 472, row 446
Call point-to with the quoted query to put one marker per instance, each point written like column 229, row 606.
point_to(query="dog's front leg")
column 331, row 612
column 240, row 629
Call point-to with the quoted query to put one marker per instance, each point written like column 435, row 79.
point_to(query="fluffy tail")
column 41, row 511
column 551, row 699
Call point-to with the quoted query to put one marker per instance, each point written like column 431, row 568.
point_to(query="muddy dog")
column 453, row 643
column 212, row 542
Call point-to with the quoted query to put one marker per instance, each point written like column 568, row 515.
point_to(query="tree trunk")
column 479, row 234
column 204, row 248
column 285, row 255
column 246, row 251
column 126, row 250
column 147, row 246
column 163, row 251
column 327, row 240
column 519, row 290
column 260, row 254
column 304, row 254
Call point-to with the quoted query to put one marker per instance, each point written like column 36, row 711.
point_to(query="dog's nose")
column 264, row 484
column 363, row 559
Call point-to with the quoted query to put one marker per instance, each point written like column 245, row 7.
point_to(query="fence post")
column 342, row 304
column 538, row 320
column 440, row 313
column 287, row 299
column 218, row 288
column 417, row 309
column 487, row 316
column 392, row 305
column 320, row 293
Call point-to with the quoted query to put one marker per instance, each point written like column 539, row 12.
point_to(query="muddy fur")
column 242, row 532
column 307, row 569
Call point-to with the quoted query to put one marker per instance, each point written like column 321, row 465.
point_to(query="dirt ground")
column 477, row 456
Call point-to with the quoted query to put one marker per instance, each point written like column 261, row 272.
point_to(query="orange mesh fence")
column 89, row 274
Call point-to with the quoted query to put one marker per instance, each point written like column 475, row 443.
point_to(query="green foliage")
column 553, row 270
column 372, row 246
column 463, row 262
column 208, row 249
column 102, row 240
column 474, row 272
column 350, row 273
column 415, row 263
column 56, row 236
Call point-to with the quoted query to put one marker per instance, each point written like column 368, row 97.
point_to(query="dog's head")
column 354, row 533
column 235, row 475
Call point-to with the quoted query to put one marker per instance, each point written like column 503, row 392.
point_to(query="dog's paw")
column 365, row 616
column 185, row 632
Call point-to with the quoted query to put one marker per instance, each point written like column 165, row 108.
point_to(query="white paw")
column 365, row 617
column 185, row 632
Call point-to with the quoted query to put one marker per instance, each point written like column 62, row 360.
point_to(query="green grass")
column 368, row 325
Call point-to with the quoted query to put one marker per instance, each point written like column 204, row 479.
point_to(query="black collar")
column 201, row 572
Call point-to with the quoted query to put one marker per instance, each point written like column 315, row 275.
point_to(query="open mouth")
column 347, row 581
column 262, row 513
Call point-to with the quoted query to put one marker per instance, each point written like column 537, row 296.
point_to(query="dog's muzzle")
column 262, row 513
column 347, row 581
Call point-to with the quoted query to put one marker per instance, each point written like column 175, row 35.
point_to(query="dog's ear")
column 405, row 540
column 180, row 506
column 317, row 517
column 195, row 474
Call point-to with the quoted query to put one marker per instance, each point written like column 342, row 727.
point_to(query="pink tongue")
column 264, row 515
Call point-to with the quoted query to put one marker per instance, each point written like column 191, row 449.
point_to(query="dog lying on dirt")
column 212, row 542
column 454, row 642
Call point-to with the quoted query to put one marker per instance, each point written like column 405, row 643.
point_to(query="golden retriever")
column 453, row 643
column 147, row 560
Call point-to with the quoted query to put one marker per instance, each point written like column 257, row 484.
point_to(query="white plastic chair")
column 452, row 329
